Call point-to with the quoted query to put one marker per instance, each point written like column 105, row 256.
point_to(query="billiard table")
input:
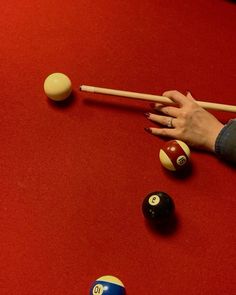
column 74, row 174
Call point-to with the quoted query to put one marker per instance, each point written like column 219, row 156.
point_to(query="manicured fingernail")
column 147, row 115
column 149, row 130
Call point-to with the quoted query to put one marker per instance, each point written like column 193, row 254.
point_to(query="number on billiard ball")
column 107, row 285
column 174, row 155
column 158, row 207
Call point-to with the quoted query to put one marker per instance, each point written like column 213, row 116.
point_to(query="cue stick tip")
column 87, row 88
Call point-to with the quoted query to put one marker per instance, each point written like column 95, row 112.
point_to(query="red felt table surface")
column 73, row 176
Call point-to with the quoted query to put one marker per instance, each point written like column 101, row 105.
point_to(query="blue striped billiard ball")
column 107, row 285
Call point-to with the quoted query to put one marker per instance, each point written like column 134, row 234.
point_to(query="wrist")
column 213, row 137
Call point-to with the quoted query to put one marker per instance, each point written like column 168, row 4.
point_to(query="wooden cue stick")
column 154, row 98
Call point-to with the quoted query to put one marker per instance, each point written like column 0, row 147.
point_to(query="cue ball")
column 175, row 155
column 107, row 285
column 57, row 86
column 158, row 207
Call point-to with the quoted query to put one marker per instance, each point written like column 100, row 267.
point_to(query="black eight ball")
column 158, row 207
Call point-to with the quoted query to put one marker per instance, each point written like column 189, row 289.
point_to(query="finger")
column 166, row 132
column 168, row 110
column 176, row 97
column 155, row 105
column 163, row 120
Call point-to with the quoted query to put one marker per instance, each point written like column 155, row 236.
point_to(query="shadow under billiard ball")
column 64, row 103
column 187, row 172
column 159, row 210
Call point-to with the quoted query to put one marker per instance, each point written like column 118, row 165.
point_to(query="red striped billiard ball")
column 174, row 155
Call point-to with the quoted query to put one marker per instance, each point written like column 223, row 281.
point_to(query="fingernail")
column 149, row 130
column 152, row 105
column 147, row 115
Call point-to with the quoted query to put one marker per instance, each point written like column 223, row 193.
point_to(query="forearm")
column 225, row 145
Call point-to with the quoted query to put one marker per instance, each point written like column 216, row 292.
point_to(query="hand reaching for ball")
column 186, row 121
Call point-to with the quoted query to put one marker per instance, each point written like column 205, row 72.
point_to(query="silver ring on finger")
column 170, row 123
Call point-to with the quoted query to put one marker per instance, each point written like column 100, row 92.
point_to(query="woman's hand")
column 186, row 121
